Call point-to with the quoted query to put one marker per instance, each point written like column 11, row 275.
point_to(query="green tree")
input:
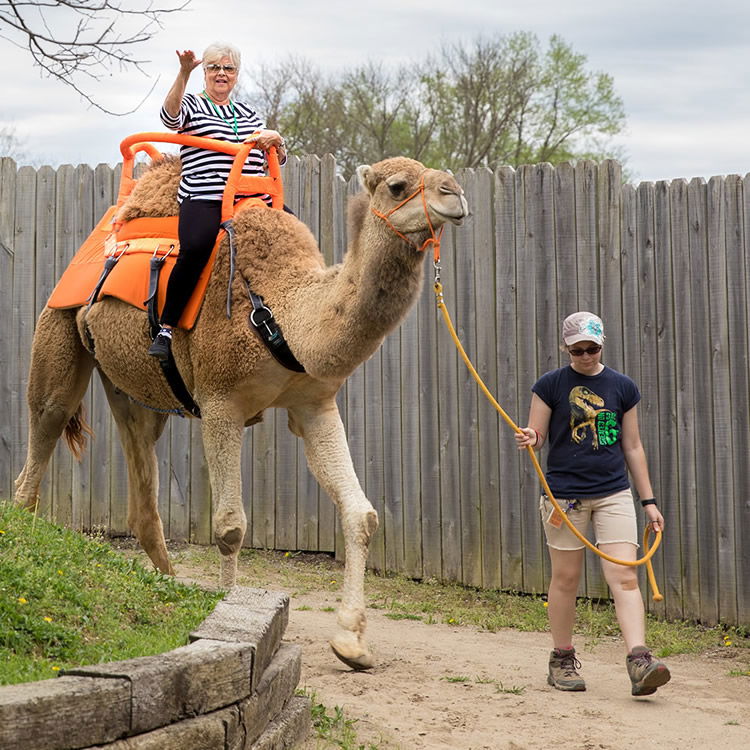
column 569, row 110
column 494, row 101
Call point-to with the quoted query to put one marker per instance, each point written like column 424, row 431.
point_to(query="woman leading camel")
column 212, row 114
column 587, row 413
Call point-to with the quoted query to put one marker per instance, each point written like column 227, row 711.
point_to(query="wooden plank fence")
column 666, row 266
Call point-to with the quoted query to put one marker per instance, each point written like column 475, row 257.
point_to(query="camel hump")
column 155, row 192
column 273, row 241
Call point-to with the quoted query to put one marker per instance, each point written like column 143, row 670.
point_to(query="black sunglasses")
column 578, row 352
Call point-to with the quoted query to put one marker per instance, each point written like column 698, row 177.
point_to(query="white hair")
column 217, row 50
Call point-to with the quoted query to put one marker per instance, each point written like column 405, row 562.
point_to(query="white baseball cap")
column 582, row 326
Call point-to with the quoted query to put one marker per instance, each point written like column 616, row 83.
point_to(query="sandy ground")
column 410, row 701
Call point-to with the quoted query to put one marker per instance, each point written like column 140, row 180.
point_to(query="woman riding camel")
column 212, row 114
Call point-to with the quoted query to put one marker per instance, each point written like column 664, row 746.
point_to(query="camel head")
column 395, row 187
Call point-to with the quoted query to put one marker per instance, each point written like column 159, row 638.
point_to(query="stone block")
column 188, row 681
column 289, row 729
column 252, row 616
column 201, row 733
column 67, row 712
column 276, row 687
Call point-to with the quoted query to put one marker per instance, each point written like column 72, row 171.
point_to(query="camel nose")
column 453, row 188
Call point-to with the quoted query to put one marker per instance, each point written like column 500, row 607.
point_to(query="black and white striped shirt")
column 205, row 172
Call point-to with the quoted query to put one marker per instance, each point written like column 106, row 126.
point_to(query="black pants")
column 197, row 229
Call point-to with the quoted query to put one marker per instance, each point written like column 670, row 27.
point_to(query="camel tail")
column 76, row 432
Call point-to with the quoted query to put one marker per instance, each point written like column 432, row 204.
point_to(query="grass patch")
column 402, row 616
column 334, row 729
column 514, row 690
column 67, row 600
column 499, row 687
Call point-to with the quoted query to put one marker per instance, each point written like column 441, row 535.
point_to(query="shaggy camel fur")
column 333, row 318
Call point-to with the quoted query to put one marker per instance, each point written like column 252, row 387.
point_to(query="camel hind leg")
column 59, row 374
column 139, row 429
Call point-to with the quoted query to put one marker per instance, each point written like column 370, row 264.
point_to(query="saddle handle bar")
column 236, row 182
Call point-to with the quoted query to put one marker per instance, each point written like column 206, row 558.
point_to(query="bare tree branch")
column 92, row 42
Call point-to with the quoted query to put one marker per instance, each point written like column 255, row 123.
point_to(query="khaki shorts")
column 613, row 518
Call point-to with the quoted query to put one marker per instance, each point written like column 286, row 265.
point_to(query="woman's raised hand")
column 188, row 63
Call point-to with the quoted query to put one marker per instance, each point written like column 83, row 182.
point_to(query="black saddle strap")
column 270, row 333
column 228, row 227
column 177, row 384
column 109, row 264
column 261, row 317
column 156, row 264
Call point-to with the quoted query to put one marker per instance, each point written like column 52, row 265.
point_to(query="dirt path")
column 407, row 701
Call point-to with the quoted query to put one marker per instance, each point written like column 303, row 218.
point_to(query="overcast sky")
column 681, row 68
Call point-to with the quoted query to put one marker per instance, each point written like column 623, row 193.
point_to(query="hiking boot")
column 646, row 673
column 562, row 670
column 161, row 345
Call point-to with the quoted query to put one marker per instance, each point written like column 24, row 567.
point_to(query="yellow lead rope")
column 646, row 559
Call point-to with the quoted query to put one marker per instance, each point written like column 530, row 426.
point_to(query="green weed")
column 67, row 600
column 334, row 729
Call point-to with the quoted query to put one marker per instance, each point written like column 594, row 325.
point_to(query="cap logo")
column 593, row 327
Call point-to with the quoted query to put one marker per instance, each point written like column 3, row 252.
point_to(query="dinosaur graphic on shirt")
column 587, row 414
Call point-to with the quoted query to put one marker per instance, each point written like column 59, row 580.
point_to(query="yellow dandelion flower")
column 21, row 600
column 450, row 620
column 546, row 604
column 1, row 531
column 47, row 619
column 59, row 572
column 333, row 581
column 55, row 669
column 287, row 554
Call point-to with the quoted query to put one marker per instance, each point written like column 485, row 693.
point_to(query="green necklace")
column 218, row 114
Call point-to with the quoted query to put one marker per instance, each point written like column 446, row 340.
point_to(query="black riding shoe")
column 161, row 346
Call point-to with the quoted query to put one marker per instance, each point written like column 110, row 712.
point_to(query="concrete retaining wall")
column 231, row 688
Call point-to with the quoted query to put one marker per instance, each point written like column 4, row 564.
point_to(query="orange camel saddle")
column 134, row 243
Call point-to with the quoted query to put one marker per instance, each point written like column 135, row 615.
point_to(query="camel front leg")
column 222, row 444
column 328, row 457
column 139, row 429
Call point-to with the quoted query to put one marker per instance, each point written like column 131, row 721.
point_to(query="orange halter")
column 433, row 239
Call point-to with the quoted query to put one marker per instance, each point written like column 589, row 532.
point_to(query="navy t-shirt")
column 585, row 456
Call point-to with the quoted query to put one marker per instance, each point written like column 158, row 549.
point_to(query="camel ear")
column 367, row 178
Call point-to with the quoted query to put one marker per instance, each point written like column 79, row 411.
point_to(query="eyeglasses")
column 578, row 352
column 214, row 68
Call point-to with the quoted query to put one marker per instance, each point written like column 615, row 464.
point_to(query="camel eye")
column 397, row 188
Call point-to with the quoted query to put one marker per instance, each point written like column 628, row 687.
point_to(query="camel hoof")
column 359, row 662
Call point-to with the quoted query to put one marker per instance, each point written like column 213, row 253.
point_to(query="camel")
column 333, row 318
